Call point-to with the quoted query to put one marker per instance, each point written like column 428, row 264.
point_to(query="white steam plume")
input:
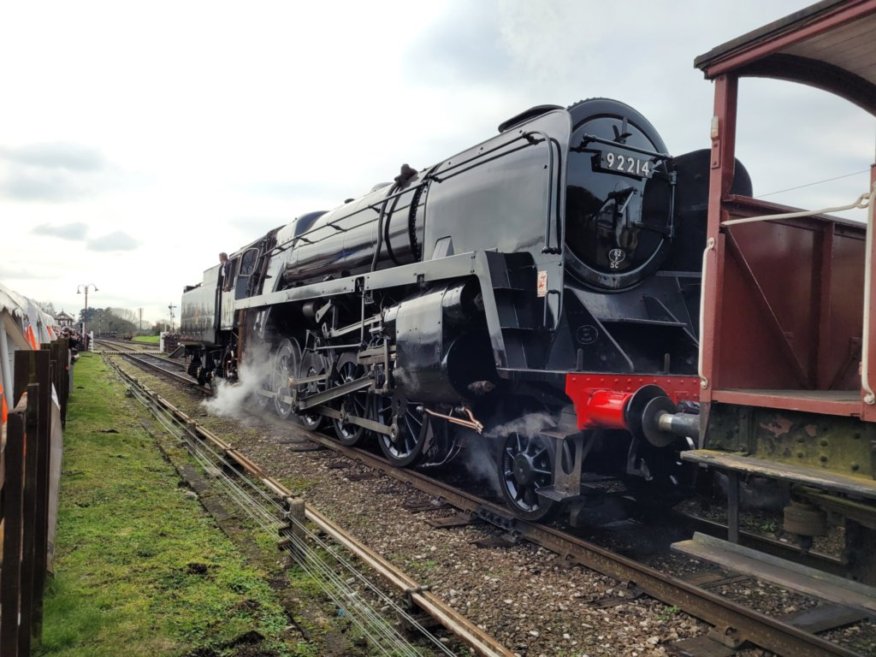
column 528, row 425
column 239, row 399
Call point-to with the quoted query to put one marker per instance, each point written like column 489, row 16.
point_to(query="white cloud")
column 115, row 241
column 72, row 231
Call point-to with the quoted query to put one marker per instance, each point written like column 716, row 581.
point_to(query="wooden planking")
column 786, row 472
column 851, row 47
column 780, row 571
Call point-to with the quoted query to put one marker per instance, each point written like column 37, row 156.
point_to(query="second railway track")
column 123, row 346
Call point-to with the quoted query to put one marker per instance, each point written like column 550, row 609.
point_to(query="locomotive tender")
column 550, row 274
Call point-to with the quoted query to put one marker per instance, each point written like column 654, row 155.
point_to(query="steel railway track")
column 733, row 623
column 123, row 346
column 166, row 368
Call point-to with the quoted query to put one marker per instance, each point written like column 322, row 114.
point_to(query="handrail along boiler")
column 539, row 291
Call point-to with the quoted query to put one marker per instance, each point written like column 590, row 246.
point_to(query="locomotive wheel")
column 411, row 430
column 286, row 361
column 348, row 369
column 525, row 465
column 312, row 364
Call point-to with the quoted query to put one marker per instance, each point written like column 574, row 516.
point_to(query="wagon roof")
column 830, row 45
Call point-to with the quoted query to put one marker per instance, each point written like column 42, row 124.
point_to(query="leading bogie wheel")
column 526, row 465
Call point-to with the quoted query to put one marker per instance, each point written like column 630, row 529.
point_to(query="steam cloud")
column 237, row 400
column 527, row 425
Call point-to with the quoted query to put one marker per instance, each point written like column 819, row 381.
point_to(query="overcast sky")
column 137, row 140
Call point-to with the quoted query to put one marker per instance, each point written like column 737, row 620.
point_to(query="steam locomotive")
column 538, row 291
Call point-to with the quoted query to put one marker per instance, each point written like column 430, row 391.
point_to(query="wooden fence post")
column 13, row 510
column 61, row 354
column 30, row 519
column 50, row 371
column 33, row 371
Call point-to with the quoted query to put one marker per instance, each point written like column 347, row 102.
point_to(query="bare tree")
column 47, row 307
column 125, row 314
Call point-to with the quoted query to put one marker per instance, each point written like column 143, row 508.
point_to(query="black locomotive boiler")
column 538, row 292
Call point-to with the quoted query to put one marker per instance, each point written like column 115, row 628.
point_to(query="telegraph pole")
column 79, row 290
column 171, row 308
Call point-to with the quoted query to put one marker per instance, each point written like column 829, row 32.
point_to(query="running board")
column 785, row 573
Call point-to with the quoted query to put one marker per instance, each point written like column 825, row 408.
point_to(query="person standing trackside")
column 224, row 272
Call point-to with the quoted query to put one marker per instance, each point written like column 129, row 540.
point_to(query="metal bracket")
column 410, row 592
column 566, row 484
column 726, row 636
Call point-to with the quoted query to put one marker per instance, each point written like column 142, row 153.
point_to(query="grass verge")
column 148, row 339
column 140, row 568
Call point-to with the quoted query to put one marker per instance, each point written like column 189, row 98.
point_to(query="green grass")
column 667, row 614
column 148, row 339
column 140, row 568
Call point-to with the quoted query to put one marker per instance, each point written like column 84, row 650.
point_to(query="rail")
column 111, row 344
column 146, row 361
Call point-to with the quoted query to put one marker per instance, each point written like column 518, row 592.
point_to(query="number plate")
column 628, row 164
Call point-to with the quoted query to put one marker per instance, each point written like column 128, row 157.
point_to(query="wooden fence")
column 25, row 477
